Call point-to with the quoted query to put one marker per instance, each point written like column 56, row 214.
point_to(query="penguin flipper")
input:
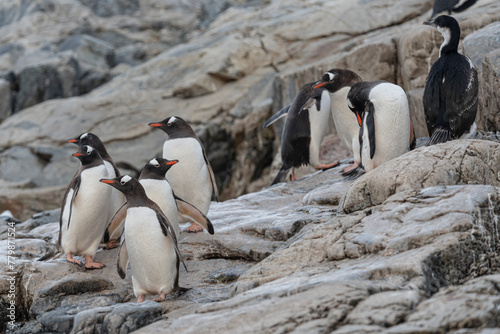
column 188, row 210
column 370, row 123
column 282, row 113
column 116, row 223
column 281, row 177
column 75, row 185
column 212, row 179
column 122, row 263
column 167, row 230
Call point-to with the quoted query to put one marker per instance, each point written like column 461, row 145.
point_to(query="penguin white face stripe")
column 154, row 162
column 125, row 179
column 84, row 135
column 171, row 120
column 89, row 149
column 330, row 75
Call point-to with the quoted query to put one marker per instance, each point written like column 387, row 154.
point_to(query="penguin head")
column 328, row 81
column 356, row 103
column 174, row 127
column 158, row 167
column 126, row 184
column 87, row 155
column 89, row 139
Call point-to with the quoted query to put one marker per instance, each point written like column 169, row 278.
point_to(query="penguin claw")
column 194, row 228
column 111, row 244
column 94, row 265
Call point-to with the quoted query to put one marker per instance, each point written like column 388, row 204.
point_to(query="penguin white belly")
column 319, row 123
column 117, row 199
column 160, row 192
column 392, row 125
column 345, row 121
column 189, row 177
column 152, row 256
column 89, row 214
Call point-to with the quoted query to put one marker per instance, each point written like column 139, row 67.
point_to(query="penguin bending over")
column 383, row 114
column 193, row 179
column 451, row 88
column 306, row 124
column 149, row 245
column 158, row 189
column 117, row 198
column 84, row 210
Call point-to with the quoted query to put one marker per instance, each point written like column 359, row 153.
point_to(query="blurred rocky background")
column 408, row 248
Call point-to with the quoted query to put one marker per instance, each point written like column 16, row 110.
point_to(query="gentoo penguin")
column 451, row 6
column 84, row 210
column 158, row 189
column 193, row 179
column 451, row 88
column 117, row 198
column 306, row 124
column 149, row 244
column 383, row 114
column 338, row 82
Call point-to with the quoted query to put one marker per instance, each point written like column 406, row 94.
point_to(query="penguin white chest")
column 189, row 178
column 152, row 256
column 84, row 220
column 319, row 122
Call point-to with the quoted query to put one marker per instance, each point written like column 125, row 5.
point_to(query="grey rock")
column 90, row 51
column 39, row 219
column 112, row 7
column 5, row 100
column 126, row 318
column 58, row 321
column 488, row 119
column 482, row 42
column 76, row 284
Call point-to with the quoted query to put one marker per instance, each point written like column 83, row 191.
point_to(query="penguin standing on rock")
column 338, row 82
column 117, row 198
column 150, row 244
column 451, row 88
column 451, row 6
column 193, row 179
column 158, row 189
column 306, row 124
column 383, row 114
column 85, row 209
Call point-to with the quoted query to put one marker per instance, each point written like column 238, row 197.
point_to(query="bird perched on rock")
column 158, row 189
column 85, row 208
column 117, row 198
column 306, row 124
column 193, row 179
column 383, row 114
column 149, row 245
column 451, row 88
column 451, row 6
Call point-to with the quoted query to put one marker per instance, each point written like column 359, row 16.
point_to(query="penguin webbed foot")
column 70, row 259
column 90, row 264
column 161, row 298
column 140, row 298
column 113, row 243
column 194, row 228
column 324, row 167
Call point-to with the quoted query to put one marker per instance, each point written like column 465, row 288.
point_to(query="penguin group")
column 372, row 118
column 100, row 205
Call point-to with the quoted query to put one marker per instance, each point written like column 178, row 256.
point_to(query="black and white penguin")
column 158, row 189
column 451, row 88
column 307, row 123
column 193, row 179
column 149, row 245
column 84, row 212
column 451, row 6
column 117, row 198
column 338, row 82
column 383, row 114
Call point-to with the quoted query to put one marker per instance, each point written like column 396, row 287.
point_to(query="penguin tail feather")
column 354, row 173
column 51, row 254
column 281, row 177
column 440, row 135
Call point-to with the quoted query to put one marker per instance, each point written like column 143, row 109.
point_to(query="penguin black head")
column 90, row 139
column 126, row 184
column 156, row 168
column 336, row 78
column 356, row 104
column 88, row 155
column 450, row 29
column 174, row 127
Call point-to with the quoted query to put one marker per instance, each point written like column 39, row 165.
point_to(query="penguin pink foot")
column 90, row 264
column 113, row 243
column 140, row 298
column 70, row 259
column 350, row 168
column 328, row 166
column 194, row 228
column 161, row 298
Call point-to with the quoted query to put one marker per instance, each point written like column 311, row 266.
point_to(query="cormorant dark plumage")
column 451, row 6
column 451, row 89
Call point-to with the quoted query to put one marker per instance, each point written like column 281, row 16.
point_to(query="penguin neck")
column 451, row 39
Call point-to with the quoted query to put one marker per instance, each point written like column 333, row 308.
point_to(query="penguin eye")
column 352, row 109
column 88, row 152
column 122, row 182
column 156, row 165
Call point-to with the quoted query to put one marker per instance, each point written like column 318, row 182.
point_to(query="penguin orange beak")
column 359, row 118
column 321, row 84
column 77, row 154
column 155, row 125
column 72, row 140
column 171, row 162
column 107, row 181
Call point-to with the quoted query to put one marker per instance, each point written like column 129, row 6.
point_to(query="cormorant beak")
column 319, row 85
column 430, row 23
column 155, row 125
column 358, row 116
column 171, row 162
